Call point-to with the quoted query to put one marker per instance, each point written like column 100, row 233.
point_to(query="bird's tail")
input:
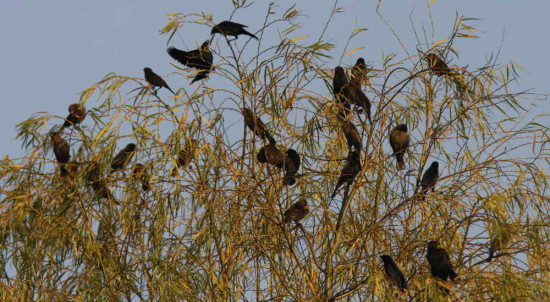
column 453, row 275
column 146, row 186
column 491, row 256
column 400, row 161
column 174, row 171
column 249, row 34
column 172, row 91
column 63, row 170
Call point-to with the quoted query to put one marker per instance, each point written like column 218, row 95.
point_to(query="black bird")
column 61, row 150
column 399, row 142
column 186, row 155
column 155, row 80
column 349, row 171
column 77, row 113
column 352, row 136
column 292, row 165
column 429, row 179
column 272, row 155
column 355, row 95
column 340, row 85
column 359, row 71
column 123, row 157
column 93, row 176
column 296, row 212
column 228, row 28
column 256, row 125
column 393, row 272
column 140, row 173
column 439, row 261
column 437, row 65
column 201, row 59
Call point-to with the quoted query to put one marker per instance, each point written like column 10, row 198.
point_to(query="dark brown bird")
column 140, row 173
column 228, row 28
column 349, row 171
column 256, row 125
column 155, row 80
column 77, row 113
column 429, row 179
column 355, row 95
column 352, row 136
column 399, row 142
column 437, row 65
column 201, row 59
column 359, row 71
column 186, row 155
column 296, row 212
column 292, row 165
column 123, row 157
column 61, row 150
column 393, row 272
column 439, row 261
column 272, row 155
column 96, row 181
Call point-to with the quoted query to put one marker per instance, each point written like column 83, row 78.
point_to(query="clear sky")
column 51, row 50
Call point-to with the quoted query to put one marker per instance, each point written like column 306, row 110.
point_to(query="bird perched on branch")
column 296, row 212
column 228, row 28
column 272, row 155
column 155, row 80
column 429, row 179
column 356, row 96
column 352, row 136
column 438, row 66
column 140, row 173
column 93, row 176
column 399, row 142
column 340, row 89
column 256, row 125
column 359, row 71
column 61, row 150
column 393, row 272
column 440, row 263
column 123, row 157
column 200, row 59
column 77, row 113
column 292, row 165
column 186, row 155
column 349, row 171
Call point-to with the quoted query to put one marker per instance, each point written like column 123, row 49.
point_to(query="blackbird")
column 186, row 155
column 399, row 142
column 123, row 157
column 62, row 153
column 256, row 125
column 437, row 65
column 296, row 212
column 292, row 165
column 359, row 71
column 393, row 272
column 77, row 113
column 272, row 155
column 349, row 171
column 355, row 95
column 429, row 179
column 155, row 80
column 201, row 59
column 140, row 173
column 93, row 176
column 352, row 136
column 228, row 28
column 439, row 261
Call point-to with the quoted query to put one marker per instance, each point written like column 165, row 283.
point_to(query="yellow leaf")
column 298, row 38
column 440, row 42
column 353, row 50
column 432, row 2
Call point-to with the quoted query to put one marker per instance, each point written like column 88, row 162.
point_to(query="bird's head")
column 433, row 244
column 131, row 147
column 435, row 165
column 302, row 204
column 386, row 258
column 402, row 127
column 147, row 70
column 339, row 71
column 360, row 61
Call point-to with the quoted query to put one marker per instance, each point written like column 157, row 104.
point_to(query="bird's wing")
column 179, row 55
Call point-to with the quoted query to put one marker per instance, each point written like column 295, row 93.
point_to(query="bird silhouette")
column 272, row 155
column 430, row 177
column 393, row 272
column 437, row 65
column 61, row 150
column 155, row 80
column 440, row 263
column 200, row 59
column 296, row 212
column 186, row 155
column 77, row 113
column 399, row 142
column 349, row 171
column 359, row 71
column 228, row 28
column 352, row 136
column 292, row 165
column 256, row 125
column 123, row 157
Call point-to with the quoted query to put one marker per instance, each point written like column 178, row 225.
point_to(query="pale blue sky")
column 51, row 50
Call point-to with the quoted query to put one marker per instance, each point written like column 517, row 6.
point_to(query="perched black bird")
column 349, row 171
column 340, row 85
column 439, row 261
column 359, row 71
column 352, row 136
column 437, row 65
column 393, row 272
column 296, row 212
column 201, row 59
column 399, row 142
column 140, row 173
column 228, row 28
column 272, row 155
column 123, row 157
column 186, row 155
column 77, row 113
column 62, row 153
column 93, row 176
column 355, row 95
column 429, row 179
column 256, row 125
column 155, row 80
column 292, row 165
